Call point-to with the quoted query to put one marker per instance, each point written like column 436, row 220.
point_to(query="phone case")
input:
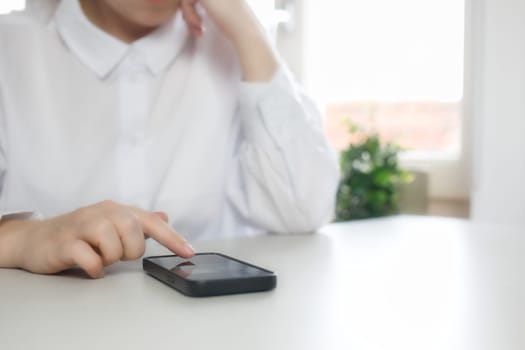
column 211, row 287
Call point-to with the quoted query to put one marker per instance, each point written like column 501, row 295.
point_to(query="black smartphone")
column 208, row 274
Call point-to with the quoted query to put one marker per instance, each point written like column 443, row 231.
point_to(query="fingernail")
column 189, row 249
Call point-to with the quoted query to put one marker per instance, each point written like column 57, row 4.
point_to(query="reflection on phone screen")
column 208, row 266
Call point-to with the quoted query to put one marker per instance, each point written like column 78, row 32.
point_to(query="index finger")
column 155, row 228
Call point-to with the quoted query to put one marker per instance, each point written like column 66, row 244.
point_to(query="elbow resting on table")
column 312, row 220
column 311, row 212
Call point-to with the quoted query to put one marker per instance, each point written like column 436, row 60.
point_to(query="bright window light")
column 389, row 50
column 395, row 65
column 7, row 6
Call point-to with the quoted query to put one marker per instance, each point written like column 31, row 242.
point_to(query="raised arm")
column 286, row 174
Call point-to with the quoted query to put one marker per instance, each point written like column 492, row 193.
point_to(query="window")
column 393, row 66
column 7, row 6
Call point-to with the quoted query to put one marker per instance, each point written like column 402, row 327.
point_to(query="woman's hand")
column 237, row 21
column 90, row 237
column 233, row 17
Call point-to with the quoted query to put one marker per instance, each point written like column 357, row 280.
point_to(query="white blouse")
column 164, row 123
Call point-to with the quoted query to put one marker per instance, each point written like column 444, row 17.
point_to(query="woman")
column 117, row 114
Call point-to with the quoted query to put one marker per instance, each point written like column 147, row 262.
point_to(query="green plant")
column 370, row 175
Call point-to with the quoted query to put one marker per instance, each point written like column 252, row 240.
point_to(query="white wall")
column 498, row 110
column 290, row 43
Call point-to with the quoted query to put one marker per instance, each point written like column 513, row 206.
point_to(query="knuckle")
column 102, row 226
column 108, row 204
column 75, row 246
column 91, row 265
column 136, row 252
column 128, row 224
column 93, row 212
column 111, row 258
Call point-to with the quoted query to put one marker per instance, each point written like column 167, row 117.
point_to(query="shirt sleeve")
column 7, row 213
column 287, row 174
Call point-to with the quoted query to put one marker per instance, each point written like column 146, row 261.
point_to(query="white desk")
column 397, row 283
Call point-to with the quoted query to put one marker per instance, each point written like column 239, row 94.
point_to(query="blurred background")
column 443, row 79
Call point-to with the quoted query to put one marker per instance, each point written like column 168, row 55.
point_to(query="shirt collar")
column 102, row 53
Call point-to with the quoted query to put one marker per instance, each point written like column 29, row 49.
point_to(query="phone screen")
column 204, row 267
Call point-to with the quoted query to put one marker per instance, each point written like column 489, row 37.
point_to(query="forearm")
column 257, row 57
column 287, row 169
